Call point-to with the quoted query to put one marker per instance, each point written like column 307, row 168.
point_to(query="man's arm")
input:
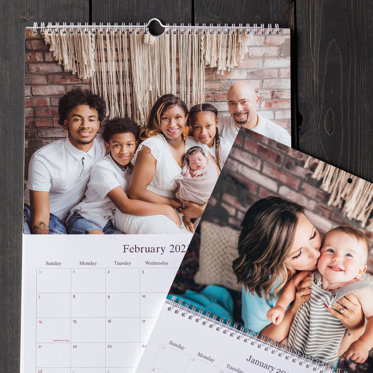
column 39, row 206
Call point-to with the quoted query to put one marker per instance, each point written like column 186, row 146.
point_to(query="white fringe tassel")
column 351, row 194
column 130, row 69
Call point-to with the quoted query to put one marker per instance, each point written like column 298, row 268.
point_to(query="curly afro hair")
column 79, row 97
column 120, row 125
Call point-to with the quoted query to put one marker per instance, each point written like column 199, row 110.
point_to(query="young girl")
column 276, row 241
column 108, row 183
column 204, row 122
column 198, row 180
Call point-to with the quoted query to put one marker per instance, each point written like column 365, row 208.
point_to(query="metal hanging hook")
column 155, row 27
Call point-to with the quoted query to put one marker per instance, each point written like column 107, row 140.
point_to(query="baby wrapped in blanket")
column 197, row 181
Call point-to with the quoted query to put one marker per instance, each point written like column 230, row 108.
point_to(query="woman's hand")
column 349, row 312
column 173, row 215
column 193, row 210
column 303, row 291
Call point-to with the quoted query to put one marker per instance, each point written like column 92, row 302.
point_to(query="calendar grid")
column 105, row 306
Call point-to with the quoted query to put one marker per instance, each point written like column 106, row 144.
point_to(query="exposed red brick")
column 251, row 63
column 246, row 158
column 265, row 153
column 46, row 67
column 277, row 39
column 43, row 123
column 276, row 62
column 263, row 51
column 296, row 168
column 283, row 104
column 232, row 201
column 262, row 74
column 46, row 112
column 231, row 210
column 55, row 101
column 80, row 86
column 221, row 106
column 63, row 78
column 36, row 45
column 284, row 73
column 55, row 122
column 234, row 74
column 48, row 56
column 283, row 114
column 29, row 112
column 210, row 97
column 221, row 96
column 278, row 174
column 27, row 90
column 210, row 74
column 36, row 79
column 29, row 34
column 52, row 133
column 34, row 56
column 29, row 123
column 29, row 133
column 217, row 85
column 36, row 101
column 264, row 193
column 276, row 84
column 292, row 195
column 48, row 90
column 234, row 222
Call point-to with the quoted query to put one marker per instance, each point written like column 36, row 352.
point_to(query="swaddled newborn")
column 198, row 179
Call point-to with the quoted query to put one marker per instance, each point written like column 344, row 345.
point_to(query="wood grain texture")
column 235, row 12
column 335, row 82
column 168, row 11
column 15, row 16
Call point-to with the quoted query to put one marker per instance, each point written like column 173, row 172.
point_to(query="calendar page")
column 186, row 341
column 89, row 303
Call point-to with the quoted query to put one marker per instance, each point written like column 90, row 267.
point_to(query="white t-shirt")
column 63, row 170
column 224, row 148
column 96, row 205
column 166, row 169
column 228, row 129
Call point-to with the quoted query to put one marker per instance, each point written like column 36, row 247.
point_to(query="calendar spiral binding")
column 254, row 29
column 246, row 335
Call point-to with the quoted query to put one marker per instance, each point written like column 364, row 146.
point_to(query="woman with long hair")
column 276, row 241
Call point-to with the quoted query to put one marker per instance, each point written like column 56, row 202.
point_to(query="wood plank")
column 335, row 82
column 15, row 16
column 235, row 12
column 168, row 11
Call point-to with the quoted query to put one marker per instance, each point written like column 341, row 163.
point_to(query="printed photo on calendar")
column 284, row 251
column 127, row 133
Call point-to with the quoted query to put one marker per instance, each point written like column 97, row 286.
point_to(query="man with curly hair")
column 59, row 171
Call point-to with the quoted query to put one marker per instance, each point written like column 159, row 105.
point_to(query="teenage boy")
column 59, row 172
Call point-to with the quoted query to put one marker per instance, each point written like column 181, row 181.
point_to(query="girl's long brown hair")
column 267, row 233
column 153, row 124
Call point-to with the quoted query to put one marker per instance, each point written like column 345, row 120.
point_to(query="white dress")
column 163, row 183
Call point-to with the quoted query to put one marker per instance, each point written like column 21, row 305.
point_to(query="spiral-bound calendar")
column 187, row 341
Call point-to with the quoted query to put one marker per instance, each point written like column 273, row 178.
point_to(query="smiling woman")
column 158, row 165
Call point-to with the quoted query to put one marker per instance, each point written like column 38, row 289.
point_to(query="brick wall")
column 267, row 67
column 46, row 82
column 258, row 167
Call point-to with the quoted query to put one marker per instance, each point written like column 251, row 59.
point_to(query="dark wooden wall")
column 332, row 94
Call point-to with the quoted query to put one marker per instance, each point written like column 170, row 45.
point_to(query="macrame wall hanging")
column 349, row 193
column 131, row 69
